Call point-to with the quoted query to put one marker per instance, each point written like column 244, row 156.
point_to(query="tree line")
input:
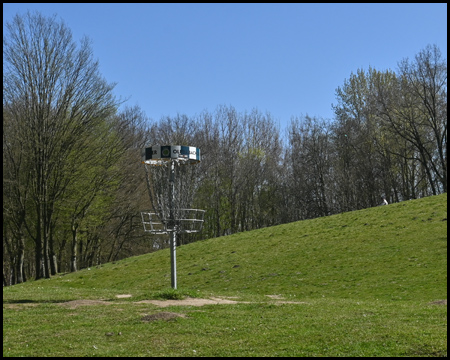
column 74, row 185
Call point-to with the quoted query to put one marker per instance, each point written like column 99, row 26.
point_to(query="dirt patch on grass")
column 212, row 301
column 73, row 304
column 161, row 316
column 189, row 302
column 439, row 302
column 19, row 305
column 123, row 296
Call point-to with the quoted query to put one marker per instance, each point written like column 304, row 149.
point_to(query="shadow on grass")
column 27, row 301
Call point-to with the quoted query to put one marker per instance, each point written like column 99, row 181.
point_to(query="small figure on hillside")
column 384, row 202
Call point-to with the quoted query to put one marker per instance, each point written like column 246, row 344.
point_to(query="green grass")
column 365, row 282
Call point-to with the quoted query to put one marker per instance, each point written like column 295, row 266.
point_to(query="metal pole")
column 173, row 259
column 173, row 236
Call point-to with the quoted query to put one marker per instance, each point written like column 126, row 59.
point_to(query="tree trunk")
column 73, row 259
column 20, row 260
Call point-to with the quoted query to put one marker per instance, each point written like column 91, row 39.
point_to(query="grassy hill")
column 363, row 283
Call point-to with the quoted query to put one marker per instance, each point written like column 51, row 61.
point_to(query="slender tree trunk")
column 52, row 256
column 73, row 260
column 38, row 259
column 46, row 258
column 20, row 260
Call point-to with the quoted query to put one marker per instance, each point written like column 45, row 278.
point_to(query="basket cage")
column 185, row 221
column 171, row 187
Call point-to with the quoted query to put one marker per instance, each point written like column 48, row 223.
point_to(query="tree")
column 121, row 233
column 16, row 185
column 426, row 85
column 360, row 165
column 54, row 96
column 390, row 132
column 258, row 175
column 308, row 159
column 414, row 108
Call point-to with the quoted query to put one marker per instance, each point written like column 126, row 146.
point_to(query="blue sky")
column 285, row 59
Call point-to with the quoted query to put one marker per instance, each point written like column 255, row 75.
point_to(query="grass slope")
column 365, row 282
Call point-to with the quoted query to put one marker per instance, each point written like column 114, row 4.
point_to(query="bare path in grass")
column 276, row 299
column 188, row 301
column 165, row 303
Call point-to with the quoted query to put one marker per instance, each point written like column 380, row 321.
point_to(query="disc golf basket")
column 167, row 196
column 186, row 221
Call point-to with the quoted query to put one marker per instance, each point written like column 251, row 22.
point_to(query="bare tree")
column 54, row 96
column 258, row 176
column 424, row 81
column 309, row 160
